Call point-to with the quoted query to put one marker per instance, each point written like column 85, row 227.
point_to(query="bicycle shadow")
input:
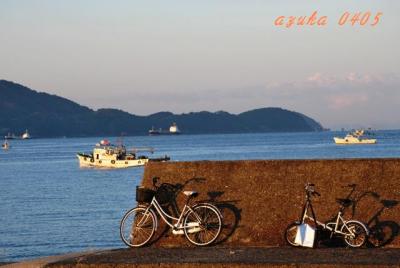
column 169, row 197
column 382, row 232
column 231, row 215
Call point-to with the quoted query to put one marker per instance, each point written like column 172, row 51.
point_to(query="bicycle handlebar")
column 165, row 185
column 309, row 187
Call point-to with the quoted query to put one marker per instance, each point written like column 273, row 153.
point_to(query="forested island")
column 46, row 115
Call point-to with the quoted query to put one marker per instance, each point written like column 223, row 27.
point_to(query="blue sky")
column 183, row 56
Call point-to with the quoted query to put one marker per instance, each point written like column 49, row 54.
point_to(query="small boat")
column 107, row 155
column 154, row 131
column 355, row 137
column 10, row 136
column 173, row 130
column 26, row 135
column 5, row 145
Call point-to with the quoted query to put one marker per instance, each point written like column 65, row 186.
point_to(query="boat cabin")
column 111, row 153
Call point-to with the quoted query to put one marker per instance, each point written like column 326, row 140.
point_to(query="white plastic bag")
column 305, row 235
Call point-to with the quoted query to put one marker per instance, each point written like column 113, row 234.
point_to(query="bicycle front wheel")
column 203, row 225
column 138, row 227
column 290, row 234
column 355, row 234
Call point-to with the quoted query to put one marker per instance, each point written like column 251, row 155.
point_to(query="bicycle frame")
column 331, row 226
column 165, row 216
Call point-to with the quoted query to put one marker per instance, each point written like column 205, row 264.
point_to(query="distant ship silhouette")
column 173, row 130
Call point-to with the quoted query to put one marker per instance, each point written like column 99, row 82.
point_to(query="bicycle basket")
column 164, row 195
column 144, row 195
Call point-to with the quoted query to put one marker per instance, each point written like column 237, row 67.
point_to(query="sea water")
column 49, row 206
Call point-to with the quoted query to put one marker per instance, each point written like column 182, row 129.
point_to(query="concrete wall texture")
column 259, row 198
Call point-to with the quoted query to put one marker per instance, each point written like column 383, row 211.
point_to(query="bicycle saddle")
column 190, row 193
column 344, row 201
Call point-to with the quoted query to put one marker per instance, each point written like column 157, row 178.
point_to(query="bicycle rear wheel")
column 202, row 225
column 290, row 234
column 355, row 234
column 138, row 227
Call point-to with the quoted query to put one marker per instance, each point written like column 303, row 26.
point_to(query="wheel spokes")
column 356, row 235
column 143, row 227
column 209, row 224
column 137, row 227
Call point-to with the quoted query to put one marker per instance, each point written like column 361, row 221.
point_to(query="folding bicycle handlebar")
column 309, row 188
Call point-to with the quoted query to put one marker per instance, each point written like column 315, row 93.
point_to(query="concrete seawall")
column 260, row 198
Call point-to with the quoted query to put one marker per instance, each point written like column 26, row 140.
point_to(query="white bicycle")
column 354, row 233
column 201, row 223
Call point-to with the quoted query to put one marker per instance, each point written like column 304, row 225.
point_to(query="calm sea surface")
column 49, row 206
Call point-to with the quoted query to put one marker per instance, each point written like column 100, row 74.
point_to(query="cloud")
column 320, row 80
column 352, row 78
column 348, row 100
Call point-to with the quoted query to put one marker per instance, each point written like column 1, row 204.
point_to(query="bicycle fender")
column 362, row 224
column 211, row 205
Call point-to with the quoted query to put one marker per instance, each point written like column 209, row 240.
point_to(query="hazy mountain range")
column 46, row 115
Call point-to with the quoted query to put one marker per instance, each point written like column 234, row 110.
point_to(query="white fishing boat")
column 107, row 155
column 355, row 137
column 26, row 135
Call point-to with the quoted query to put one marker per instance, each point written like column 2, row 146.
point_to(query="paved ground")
column 273, row 256
column 42, row 262
column 228, row 257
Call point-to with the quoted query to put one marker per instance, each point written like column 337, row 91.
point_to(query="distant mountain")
column 46, row 115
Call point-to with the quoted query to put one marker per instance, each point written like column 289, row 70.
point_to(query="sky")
column 186, row 56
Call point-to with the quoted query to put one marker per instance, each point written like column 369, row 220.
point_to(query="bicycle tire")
column 356, row 234
column 205, row 222
column 138, row 226
column 290, row 234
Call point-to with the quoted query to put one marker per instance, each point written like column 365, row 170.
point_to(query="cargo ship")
column 173, row 130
